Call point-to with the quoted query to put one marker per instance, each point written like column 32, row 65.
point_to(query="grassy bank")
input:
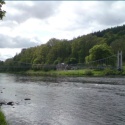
column 61, row 73
column 2, row 119
column 77, row 73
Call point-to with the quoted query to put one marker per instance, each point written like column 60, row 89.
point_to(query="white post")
column 119, row 61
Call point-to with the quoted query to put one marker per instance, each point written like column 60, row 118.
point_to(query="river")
column 63, row 101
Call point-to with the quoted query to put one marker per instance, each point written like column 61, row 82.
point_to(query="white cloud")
column 7, row 53
column 16, row 42
column 31, row 23
column 23, row 10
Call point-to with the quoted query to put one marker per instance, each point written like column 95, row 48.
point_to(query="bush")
column 123, row 72
column 109, row 71
column 88, row 72
column 48, row 67
column 2, row 119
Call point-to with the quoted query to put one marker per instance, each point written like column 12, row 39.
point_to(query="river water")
column 63, row 101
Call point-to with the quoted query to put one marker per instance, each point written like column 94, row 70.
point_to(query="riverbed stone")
column 2, row 103
column 27, row 99
column 10, row 103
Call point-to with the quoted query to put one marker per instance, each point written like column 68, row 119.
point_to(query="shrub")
column 88, row 72
column 109, row 71
column 48, row 67
column 123, row 73
column 2, row 119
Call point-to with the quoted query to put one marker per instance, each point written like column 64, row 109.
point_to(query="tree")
column 59, row 51
column 99, row 52
column 2, row 12
column 81, row 45
column 119, row 45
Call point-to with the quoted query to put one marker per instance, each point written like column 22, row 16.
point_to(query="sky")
column 32, row 23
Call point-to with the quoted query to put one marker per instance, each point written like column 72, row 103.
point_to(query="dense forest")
column 66, row 51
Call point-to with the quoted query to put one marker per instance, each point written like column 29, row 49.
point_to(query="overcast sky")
column 29, row 23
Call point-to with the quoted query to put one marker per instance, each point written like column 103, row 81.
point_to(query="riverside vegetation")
column 2, row 119
column 75, row 73
column 80, row 50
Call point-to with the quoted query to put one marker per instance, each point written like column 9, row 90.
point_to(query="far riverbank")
column 75, row 73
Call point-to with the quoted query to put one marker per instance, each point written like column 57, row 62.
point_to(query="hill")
column 69, row 51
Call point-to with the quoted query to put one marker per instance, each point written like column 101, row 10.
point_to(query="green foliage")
column 57, row 61
column 109, row 71
column 81, row 45
column 59, row 50
column 119, row 45
column 123, row 73
column 2, row 12
column 90, row 47
column 99, row 52
column 115, row 30
column 2, row 119
column 83, row 72
column 48, row 68
column 88, row 72
column 43, row 67
column 72, row 61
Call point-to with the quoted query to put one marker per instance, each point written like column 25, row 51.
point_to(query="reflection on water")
column 63, row 101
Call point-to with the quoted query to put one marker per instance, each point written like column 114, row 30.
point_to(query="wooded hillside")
column 70, row 51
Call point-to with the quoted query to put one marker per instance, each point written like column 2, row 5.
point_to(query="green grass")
column 80, row 73
column 59, row 73
column 2, row 119
column 98, row 73
column 123, row 67
column 75, row 73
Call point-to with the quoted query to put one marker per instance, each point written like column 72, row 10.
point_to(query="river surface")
column 63, row 101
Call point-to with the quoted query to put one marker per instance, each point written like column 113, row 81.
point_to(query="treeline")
column 66, row 51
